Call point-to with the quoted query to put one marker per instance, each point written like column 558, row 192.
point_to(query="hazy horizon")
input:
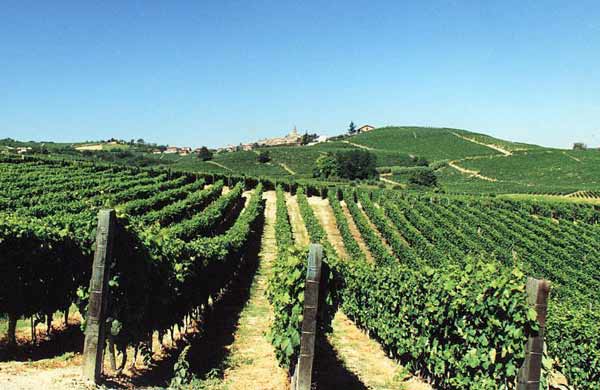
column 186, row 73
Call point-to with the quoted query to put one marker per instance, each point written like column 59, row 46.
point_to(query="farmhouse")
column 365, row 128
column 318, row 140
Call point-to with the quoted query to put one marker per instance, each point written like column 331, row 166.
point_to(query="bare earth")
column 255, row 363
column 361, row 355
column 298, row 229
column 355, row 232
column 33, row 376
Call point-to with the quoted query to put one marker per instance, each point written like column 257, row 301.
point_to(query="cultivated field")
column 425, row 290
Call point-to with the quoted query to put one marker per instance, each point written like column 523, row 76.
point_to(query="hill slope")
column 433, row 143
column 464, row 161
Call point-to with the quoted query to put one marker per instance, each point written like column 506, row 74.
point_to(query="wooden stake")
column 93, row 350
column 303, row 374
column 531, row 370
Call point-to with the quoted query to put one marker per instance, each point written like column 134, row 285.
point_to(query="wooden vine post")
column 302, row 379
column 531, row 370
column 93, row 348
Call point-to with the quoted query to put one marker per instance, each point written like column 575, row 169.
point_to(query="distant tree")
column 140, row 141
column 263, row 157
column 579, row 146
column 204, row 154
column 424, row 178
column 304, row 139
column 352, row 128
column 308, row 138
column 356, row 164
column 325, row 166
column 421, row 161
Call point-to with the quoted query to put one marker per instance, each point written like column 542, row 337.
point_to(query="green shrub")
column 424, row 178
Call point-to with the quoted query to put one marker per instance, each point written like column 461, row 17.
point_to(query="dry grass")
column 362, row 356
column 325, row 215
column 252, row 363
column 355, row 232
column 367, row 360
column 375, row 230
column 298, row 227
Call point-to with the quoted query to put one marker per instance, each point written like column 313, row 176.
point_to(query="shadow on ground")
column 209, row 347
column 329, row 371
column 61, row 341
column 209, row 352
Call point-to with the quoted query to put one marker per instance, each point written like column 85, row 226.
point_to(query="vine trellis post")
column 302, row 379
column 93, row 348
column 531, row 370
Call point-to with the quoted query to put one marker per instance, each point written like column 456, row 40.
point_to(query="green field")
column 431, row 143
column 542, row 171
column 514, row 167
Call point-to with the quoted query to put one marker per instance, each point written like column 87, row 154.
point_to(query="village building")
column 293, row 138
column 184, row 151
column 172, row 150
column 365, row 128
column 318, row 140
column 23, row 150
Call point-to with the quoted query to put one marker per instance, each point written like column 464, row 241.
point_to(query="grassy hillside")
column 486, row 139
column 431, row 143
column 543, row 170
column 297, row 161
column 509, row 167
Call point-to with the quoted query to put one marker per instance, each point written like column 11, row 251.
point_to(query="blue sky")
column 213, row 73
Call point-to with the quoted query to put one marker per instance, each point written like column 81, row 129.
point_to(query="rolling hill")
column 463, row 161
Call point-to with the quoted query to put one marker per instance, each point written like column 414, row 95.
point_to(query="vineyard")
column 432, row 285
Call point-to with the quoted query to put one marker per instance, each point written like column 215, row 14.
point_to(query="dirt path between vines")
column 384, row 178
column 287, row 169
column 219, row 165
column 571, row 157
column 359, row 145
column 491, row 146
column 325, row 215
column 298, row 228
column 252, row 358
column 470, row 172
column 357, row 352
column 356, row 233
column 375, row 230
column 28, row 376
column 365, row 357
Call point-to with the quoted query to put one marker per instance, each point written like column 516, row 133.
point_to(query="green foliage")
column 350, row 244
column 352, row 128
column 325, row 166
column 356, row 164
column 431, row 143
column 181, row 370
column 204, row 154
column 286, row 294
column 263, row 157
column 573, row 338
column 538, row 171
column 424, row 178
column 464, row 328
column 287, row 283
